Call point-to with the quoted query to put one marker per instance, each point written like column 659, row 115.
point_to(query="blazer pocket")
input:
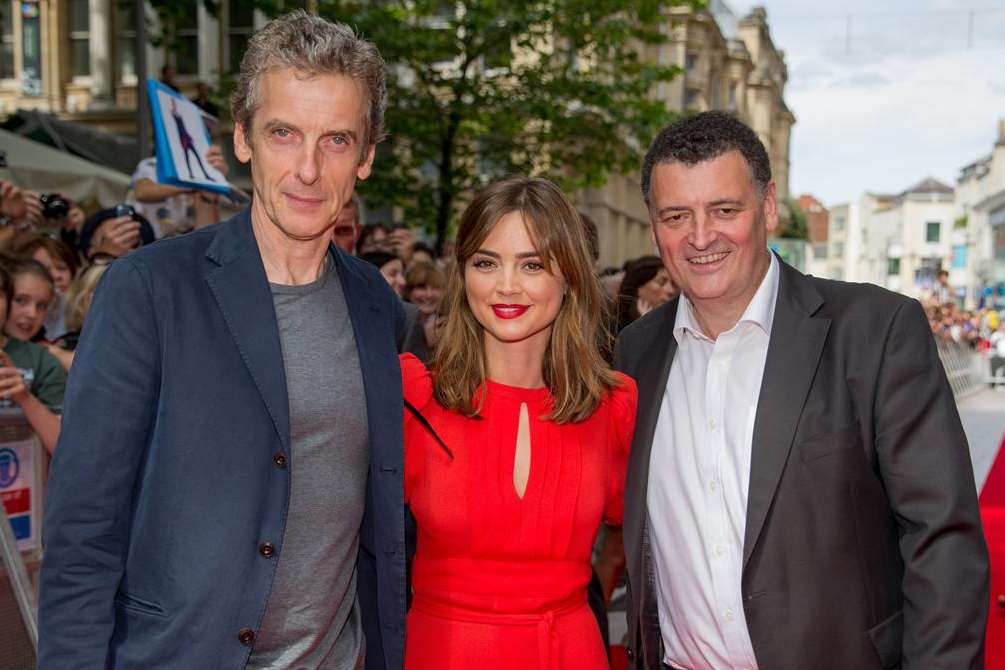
column 823, row 444
column 133, row 604
column 888, row 639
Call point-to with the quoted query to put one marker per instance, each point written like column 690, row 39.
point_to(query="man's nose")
column 309, row 167
column 702, row 234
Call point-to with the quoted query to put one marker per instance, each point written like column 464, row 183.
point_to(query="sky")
column 914, row 89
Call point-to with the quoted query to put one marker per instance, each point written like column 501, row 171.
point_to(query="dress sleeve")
column 417, row 388
column 621, row 408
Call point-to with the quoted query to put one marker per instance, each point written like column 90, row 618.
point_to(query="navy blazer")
column 173, row 462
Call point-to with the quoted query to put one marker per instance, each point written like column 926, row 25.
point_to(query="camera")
column 123, row 209
column 54, row 206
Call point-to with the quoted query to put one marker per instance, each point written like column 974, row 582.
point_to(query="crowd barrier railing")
column 967, row 370
column 23, row 470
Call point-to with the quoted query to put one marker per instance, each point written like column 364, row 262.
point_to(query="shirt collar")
column 760, row 311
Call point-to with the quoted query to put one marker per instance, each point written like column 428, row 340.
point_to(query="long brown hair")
column 574, row 369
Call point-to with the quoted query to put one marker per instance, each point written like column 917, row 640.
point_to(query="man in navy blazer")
column 227, row 489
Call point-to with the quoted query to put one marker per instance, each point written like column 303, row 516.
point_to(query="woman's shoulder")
column 416, row 382
column 623, row 397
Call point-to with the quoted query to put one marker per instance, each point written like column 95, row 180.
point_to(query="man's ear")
column 242, row 147
column 363, row 171
column 770, row 204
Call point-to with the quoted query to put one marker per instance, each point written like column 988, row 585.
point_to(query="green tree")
column 481, row 88
column 797, row 227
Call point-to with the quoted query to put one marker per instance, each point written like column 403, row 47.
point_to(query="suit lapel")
column 650, row 366
column 238, row 282
column 797, row 340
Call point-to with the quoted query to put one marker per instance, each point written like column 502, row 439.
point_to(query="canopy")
column 38, row 167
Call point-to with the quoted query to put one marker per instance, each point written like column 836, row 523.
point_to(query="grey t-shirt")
column 312, row 618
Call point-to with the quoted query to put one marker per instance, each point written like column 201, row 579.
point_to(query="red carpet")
column 993, row 515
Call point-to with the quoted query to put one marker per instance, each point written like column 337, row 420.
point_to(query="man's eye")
column 282, row 133
column 728, row 211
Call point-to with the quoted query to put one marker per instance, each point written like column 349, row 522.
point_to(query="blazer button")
column 267, row 549
column 630, row 654
column 280, row 461
column 246, row 636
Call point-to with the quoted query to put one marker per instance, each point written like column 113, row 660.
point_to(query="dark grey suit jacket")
column 863, row 544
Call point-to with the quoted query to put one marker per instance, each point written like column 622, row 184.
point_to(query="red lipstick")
column 509, row 311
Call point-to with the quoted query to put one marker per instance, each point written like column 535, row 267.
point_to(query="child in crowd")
column 62, row 263
column 30, row 377
column 32, row 291
column 78, row 303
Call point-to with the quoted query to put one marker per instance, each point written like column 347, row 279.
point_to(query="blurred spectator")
column 645, row 286
column 423, row 253
column 402, row 243
column 373, row 237
column 391, row 268
column 424, row 289
column 347, row 228
column 105, row 233
column 173, row 210
column 78, row 304
column 167, row 77
column 61, row 262
column 30, row 377
column 32, row 291
column 203, row 101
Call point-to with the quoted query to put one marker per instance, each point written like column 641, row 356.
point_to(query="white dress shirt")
column 699, row 474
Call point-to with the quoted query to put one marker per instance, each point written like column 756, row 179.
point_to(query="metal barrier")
column 967, row 370
column 23, row 465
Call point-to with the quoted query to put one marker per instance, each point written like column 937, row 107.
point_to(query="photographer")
column 115, row 231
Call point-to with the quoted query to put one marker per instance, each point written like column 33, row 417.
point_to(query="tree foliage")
column 482, row 88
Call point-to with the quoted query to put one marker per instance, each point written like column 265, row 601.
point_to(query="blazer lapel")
column 238, row 282
column 651, row 368
column 797, row 340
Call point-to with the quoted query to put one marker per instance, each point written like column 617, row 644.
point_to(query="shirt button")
column 280, row 461
column 720, row 550
column 711, row 423
column 711, row 485
column 267, row 549
column 730, row 615
column 246, row 636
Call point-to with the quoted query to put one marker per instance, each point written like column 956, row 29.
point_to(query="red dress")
column 498, row 581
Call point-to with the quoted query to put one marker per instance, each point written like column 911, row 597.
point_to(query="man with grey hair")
column 227, row 492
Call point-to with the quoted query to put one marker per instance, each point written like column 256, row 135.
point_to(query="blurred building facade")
column 727, row 63
column 76, row 59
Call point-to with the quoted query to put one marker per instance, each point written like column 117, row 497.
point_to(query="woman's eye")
column 483, row 264
column 533, row 266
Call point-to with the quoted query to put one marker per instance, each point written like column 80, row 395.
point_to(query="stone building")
column 728, row 63
column 978, row 263
column 76, row 59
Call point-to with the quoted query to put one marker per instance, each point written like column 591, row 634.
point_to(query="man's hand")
column 401, row 240
column 215, row 158
column 12, row 204
column 116, row 237
column 11, row 382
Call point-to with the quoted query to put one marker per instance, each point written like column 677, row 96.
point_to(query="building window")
column 960, row 256
column 839, row 223
column 731, row 97
column 932, row 231
column 6, row 40
column 892, row 267
column 690, row 61
column 80, row 38
column 125, row 40
column 186, row 40
column 837, row 250
column 690, row 98
column 819, row 251
column 240, row 25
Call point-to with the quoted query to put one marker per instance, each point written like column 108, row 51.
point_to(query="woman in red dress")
column 516, row 444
